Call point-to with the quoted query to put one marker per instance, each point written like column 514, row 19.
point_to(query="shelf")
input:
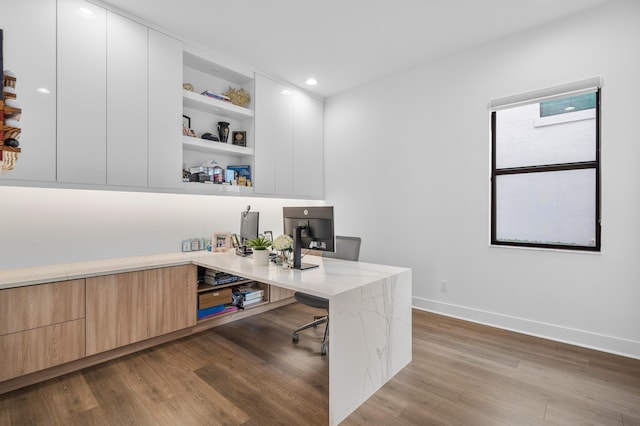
column 11, row 149
column 203, row 145
column 208, row 287
column 214, row 106
column 213, row 188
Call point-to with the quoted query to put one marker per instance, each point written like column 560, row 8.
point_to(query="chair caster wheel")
column 323, row 350
column 295, row 337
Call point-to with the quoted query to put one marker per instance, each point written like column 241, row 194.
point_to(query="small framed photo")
column 221, row 241
column 186, row 245
column 239, row 138
column 268, row 235
column 186, row 121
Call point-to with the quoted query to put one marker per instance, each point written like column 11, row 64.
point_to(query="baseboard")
column 600, row 342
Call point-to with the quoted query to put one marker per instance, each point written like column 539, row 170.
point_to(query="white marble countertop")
column 332, row 277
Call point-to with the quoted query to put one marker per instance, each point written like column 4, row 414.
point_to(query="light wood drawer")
column 24, row 308
column 33, row 350
column 214, row 298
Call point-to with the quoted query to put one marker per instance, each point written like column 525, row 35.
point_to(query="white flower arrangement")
column 283, row 243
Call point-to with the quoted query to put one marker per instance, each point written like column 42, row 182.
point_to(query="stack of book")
column 252, row 294
column 213, row 277
column 217, row 96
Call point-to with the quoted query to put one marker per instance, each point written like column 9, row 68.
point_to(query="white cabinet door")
column 126, row 102
column 29, row 32
column 273, row 138
column 81, row 133
column 165, row 111
column 308, row 146
column 289, row 153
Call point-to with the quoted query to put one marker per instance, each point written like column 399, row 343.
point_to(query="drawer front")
column 40, row 348
column 25, row 308
column 214, row 298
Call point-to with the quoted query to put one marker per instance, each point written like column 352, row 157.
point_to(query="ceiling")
column 344, row 43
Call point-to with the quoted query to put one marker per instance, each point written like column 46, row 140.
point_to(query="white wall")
column 414, row 151
column 41, row 226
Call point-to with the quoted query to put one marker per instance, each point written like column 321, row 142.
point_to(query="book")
column 250, row 295
column 251, row 302
column 209, row 311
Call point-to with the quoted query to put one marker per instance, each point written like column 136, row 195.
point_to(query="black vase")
column 223, row 131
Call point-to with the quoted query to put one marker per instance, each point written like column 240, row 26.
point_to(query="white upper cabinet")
column 165, row 118
column 289, row 141
column 308, row 146
column 126, row 102
column 82, row 93
column 274, row 138
column 119, row 91
column 29, row 50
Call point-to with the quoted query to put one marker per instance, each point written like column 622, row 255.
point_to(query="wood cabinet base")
column 60, row 370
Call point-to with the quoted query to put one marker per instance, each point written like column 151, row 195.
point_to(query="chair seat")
column 310, row 300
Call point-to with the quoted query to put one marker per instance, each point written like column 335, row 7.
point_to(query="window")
column 568, row 104
column 545, row 181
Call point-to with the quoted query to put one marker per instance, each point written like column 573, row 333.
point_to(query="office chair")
column 347, row 248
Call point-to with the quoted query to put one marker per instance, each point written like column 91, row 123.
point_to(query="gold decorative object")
column 238, row 97
column 187, row 86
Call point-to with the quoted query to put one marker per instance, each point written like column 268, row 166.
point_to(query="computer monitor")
column 248, row 226
column 310, row 228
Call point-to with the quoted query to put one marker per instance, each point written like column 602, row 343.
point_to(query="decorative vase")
column 287, row 260
column 223, row 131
column 260, row 257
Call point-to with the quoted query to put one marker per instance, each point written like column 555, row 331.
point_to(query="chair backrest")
column 347, row 248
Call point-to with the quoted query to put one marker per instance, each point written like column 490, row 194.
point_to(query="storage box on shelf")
column 205, row 112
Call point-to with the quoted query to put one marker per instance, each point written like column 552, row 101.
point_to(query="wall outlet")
column 443, row 285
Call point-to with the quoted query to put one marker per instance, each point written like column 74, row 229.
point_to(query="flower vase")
column 287, row 260
column 261, row 257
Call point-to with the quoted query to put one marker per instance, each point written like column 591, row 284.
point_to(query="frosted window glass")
column 522, row 141
column 547, row 208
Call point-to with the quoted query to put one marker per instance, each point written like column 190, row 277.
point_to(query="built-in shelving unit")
column 207, row 73
column 205, row 288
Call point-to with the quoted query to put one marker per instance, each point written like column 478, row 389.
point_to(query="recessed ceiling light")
column 311, row 81
column 85, row 12
column 44, row 90
column 286, row 92
column 570, row 108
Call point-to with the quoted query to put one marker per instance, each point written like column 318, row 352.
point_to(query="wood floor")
column 249, row 373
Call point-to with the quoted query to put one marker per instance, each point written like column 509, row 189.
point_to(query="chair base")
column 317, row 320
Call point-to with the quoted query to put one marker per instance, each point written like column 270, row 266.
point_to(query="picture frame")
column 186, row 121
column 268, row 235
column 221, row 241
column 239, row 138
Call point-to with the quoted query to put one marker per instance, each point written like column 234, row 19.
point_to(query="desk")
column 370, row 319
column 369, row 309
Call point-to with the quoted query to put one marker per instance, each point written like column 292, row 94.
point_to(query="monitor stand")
column 304, row 266
column 297, row 251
